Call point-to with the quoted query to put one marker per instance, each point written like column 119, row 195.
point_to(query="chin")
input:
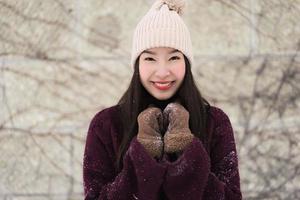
column 162, row 98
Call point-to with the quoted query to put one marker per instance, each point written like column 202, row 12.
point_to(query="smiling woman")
column 162, row 70
column 162, row 140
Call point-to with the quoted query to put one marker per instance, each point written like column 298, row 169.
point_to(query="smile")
column 163, row 85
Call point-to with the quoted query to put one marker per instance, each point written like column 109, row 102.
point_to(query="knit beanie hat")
column 162, row 26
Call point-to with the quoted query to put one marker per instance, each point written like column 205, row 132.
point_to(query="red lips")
column 163, row 85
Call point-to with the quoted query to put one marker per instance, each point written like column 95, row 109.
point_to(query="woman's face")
column 162, row 71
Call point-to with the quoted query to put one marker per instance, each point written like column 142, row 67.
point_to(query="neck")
column 163, row 103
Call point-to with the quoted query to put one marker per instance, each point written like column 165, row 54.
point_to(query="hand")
column 178, row 134
column 149, row 135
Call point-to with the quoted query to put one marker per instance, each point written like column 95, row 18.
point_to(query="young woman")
column 162, row 140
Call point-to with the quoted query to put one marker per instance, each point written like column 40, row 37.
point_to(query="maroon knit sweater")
column 195, row 175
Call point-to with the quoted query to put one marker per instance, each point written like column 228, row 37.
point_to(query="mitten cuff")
column 177, row 142
column 152, row 144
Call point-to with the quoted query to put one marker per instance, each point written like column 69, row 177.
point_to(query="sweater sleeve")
column 141, row 175
column 224, row 179
column 195, row 175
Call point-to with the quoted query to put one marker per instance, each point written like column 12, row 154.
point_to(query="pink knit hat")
column 162, row 26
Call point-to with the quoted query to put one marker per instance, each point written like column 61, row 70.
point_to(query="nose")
column 162, row 71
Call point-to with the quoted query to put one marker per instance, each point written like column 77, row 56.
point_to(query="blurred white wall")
column 61, row 61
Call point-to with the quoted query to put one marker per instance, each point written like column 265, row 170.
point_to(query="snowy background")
column 61, row 61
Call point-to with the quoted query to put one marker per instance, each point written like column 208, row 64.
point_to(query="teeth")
column 163, row 84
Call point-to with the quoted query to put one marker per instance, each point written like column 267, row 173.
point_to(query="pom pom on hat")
column 162, row 26
column 176, row 5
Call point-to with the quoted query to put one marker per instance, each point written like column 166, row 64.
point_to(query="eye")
column 175, row 58
column 149, row 59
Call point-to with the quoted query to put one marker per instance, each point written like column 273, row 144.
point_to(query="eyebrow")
column 153, row 53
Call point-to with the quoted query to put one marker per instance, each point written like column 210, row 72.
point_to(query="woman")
column 162, row 140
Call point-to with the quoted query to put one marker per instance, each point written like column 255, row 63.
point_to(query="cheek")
column 145, row 72
column 180, row 70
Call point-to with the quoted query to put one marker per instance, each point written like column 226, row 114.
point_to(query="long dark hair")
column 137, row 98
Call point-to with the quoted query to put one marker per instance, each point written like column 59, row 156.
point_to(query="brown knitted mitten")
column 149, row 135
column 178, row 134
